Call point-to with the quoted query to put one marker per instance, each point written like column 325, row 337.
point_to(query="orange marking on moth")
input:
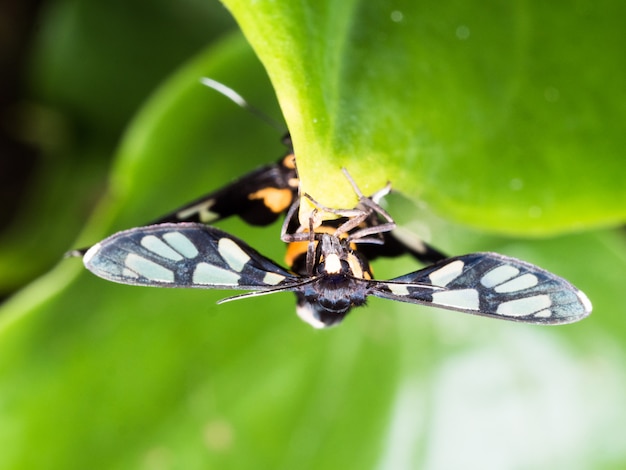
column 294, row 250
column 276, row 200
column 290, row 161
column 355, row 266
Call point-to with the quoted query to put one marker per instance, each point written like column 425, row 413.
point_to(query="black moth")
column 198, row 256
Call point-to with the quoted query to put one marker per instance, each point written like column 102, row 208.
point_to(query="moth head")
column 327, row 301
column 318, row 316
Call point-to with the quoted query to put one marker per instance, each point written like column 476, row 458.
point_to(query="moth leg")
column 310, row 249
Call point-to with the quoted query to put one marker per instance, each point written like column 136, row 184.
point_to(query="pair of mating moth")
column 329, row 260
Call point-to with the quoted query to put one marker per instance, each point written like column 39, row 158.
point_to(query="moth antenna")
column 249, row 294
column 419, row 285
column 241, row 102
column 275, row 290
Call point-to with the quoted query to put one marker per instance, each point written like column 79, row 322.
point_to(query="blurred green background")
column 497, row 119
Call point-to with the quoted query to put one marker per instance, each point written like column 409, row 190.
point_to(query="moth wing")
column 184, row 255
column 400, row 242
column 492, row 285
column 259, row 198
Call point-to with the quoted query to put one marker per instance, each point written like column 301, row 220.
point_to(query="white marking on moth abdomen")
column 273, row 278
column 466, row 299
column 232, row 254
column 519, row 283
column 209, row 274
column 499, row 275
column 160, row 248
column 443, row 276
column 307, row 313
column 181, row 243
column 148, row 269
column 525, row 306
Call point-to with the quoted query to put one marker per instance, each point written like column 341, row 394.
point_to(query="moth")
column 328, row 260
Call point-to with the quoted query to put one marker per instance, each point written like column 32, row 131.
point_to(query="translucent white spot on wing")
column 181, row 243
column 208, row 274
column 202, row 209
column 128, row 273
column 273, row 278
column 444, row 275
column 398, row 289
column 525, row 306
column 232, row 254
column 499, row 275
column 519, row 283
column 547, row 313
column 583, row 299
column 91, row 252
column 159, row 247
column 466, row 299
column 409, row 237
column 148, row 269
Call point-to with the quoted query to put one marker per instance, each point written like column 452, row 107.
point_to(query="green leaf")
column 501, row 115
column 98, row 375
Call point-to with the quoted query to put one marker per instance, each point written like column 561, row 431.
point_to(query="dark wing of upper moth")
column 395, row 245
column 492, row 285
column 259, row 197
column 184, row 255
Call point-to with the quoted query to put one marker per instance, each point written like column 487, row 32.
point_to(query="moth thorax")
column 332, row 264
column 331, row 256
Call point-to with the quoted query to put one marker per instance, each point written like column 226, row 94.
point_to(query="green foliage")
column 500, row 115
column 494, row 115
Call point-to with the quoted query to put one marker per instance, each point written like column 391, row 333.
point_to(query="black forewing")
column 243, row 197
column 393, row 246
column 184, row 255
column 493, row 285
